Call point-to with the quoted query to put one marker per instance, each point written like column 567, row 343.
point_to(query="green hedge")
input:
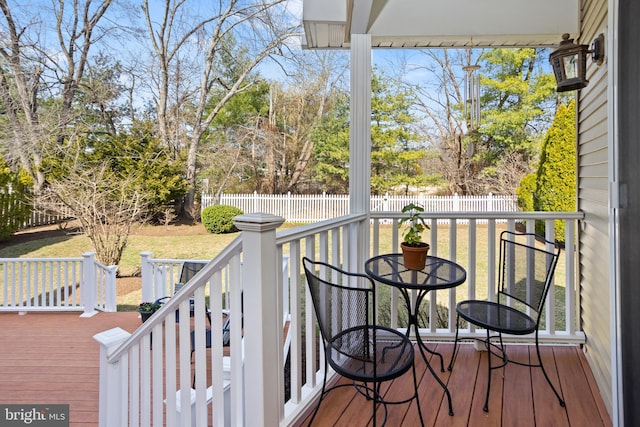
column 218, row 219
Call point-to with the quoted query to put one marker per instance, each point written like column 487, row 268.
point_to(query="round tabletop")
column 438, row 273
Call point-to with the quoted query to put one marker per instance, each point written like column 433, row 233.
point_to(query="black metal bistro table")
column 438, row 273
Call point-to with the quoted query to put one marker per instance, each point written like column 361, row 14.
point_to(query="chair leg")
column 324, row 385
column 375, row 403
column 560, row 400
column 455, row 343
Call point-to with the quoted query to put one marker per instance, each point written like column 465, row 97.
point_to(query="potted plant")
column 414, row 250
column 146, row 309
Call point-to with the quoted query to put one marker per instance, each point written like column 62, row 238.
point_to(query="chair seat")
column 394, row 353
column 496, row 317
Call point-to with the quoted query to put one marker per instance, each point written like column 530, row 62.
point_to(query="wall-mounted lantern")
column 569, row 62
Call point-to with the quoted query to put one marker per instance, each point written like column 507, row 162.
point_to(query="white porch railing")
column 478, row 235
column 57, row 284
column 140, row 385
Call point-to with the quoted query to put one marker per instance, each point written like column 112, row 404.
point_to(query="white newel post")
column 263, row 390
column 113, row 396
column 88, row 284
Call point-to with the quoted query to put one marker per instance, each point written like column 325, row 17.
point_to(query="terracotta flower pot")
column 415, row 257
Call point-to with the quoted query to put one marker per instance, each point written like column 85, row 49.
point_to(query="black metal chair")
column 356, row 348
column 526, row 268
column 189, row 269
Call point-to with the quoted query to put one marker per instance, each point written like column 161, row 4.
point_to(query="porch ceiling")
column 439, row 23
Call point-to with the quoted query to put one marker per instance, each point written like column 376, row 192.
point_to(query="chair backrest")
column 527, row 265
column 342, row 301
column 189, row 269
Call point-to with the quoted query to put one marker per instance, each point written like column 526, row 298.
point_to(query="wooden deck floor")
column 519, row 396
column 53, row 358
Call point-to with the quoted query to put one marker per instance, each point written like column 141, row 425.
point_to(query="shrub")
column 218, row 219
column 15, row 207
column 525, row 192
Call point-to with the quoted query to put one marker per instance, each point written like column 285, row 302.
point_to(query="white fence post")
column 262, row 324
column 110, row 289
column 113, row 396
column 88, row 294
column 160, row 285
column 145, row 273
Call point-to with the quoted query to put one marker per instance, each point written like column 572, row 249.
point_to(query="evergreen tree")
column 517, row 105
column 556, row 177
column 331, row 150
column 395, row 154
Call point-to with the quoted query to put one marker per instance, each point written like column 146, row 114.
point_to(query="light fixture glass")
column 571, row 66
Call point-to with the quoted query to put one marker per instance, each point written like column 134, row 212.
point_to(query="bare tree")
column 272, row 153
column 303, row 107
column 105, row 207
column 33, row 72
column 202, row 60
column 448, row 127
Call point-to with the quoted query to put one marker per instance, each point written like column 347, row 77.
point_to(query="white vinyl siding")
column 593, row 197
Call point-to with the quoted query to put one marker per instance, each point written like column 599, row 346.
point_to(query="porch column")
column 263, row 345
column 360, row 144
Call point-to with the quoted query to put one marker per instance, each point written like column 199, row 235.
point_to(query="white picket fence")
column 310, row 208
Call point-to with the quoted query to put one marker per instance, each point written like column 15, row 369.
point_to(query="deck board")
column 69, row 374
